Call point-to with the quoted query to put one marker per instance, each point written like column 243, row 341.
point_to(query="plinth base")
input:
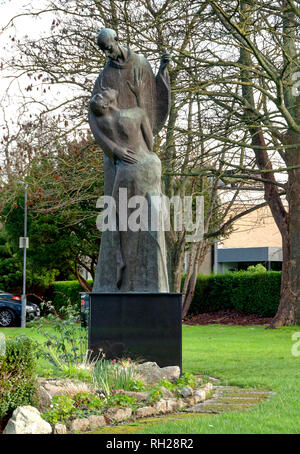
column 143, row 326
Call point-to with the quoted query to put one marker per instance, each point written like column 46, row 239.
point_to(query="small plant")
column 47, row 373
column 124, row 362
column 155, row 394
column 136, row 385
column 122, row 400
column 110, row 374
column 89, row 401
column 187, row 379
column 66, row 370
column 67, row 348
column 64, row 408
column 167, row 384
column 61, row 409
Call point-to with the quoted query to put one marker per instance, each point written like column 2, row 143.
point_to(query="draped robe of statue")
column 142, row 254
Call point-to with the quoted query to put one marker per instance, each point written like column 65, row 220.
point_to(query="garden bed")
column 123, row 406
column 67, row 406
column 227, row 317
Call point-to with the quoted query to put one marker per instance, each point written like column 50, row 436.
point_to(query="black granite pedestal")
column 145, row 326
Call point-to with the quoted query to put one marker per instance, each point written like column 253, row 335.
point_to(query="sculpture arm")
column 110, row 148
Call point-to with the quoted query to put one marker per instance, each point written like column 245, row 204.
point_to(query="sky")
column 23, row 26
column 11, row 92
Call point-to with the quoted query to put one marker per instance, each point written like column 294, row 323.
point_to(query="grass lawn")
column 245, row 356
column 12, row 332
column 248, row 357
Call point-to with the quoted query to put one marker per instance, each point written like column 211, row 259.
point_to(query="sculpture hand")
column 125, row 154
column 136, row 88
column 165, row 60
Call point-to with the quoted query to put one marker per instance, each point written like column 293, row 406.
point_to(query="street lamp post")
column 215, row 249
column 24, row 244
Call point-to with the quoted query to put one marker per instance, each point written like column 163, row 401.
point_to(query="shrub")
column 259, row 268
column 63, row 293
column 257, row 293
column 17, row 375
column 250, row 292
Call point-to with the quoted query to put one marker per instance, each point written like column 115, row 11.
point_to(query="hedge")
column 248, row 292
column 63, row 293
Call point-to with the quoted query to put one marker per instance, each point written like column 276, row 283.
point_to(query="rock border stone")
column 118, row 415
column 206, row 399
column 27, row 420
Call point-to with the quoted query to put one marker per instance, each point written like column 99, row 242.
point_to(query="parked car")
column 9, row 296
column 11, row 309
column 85, row 307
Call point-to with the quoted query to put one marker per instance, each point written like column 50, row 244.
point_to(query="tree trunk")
column 294, row 261
column 286, row 310
column 289, row 307
column 175, row 261
column 198, row 252
column 285, row 313
column 86, row 287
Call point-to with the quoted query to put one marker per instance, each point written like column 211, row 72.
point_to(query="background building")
column 255, row 239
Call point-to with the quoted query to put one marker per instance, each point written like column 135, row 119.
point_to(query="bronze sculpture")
column 128, row 105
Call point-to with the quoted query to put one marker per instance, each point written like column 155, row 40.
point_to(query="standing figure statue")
column 128, row 105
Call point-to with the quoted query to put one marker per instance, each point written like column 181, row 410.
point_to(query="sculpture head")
column 108, row 42
column 101, row 102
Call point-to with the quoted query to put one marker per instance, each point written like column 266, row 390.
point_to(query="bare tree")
column 251, row 61
column 64, row 62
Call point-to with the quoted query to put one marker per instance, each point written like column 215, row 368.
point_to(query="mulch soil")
column 228, row 317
